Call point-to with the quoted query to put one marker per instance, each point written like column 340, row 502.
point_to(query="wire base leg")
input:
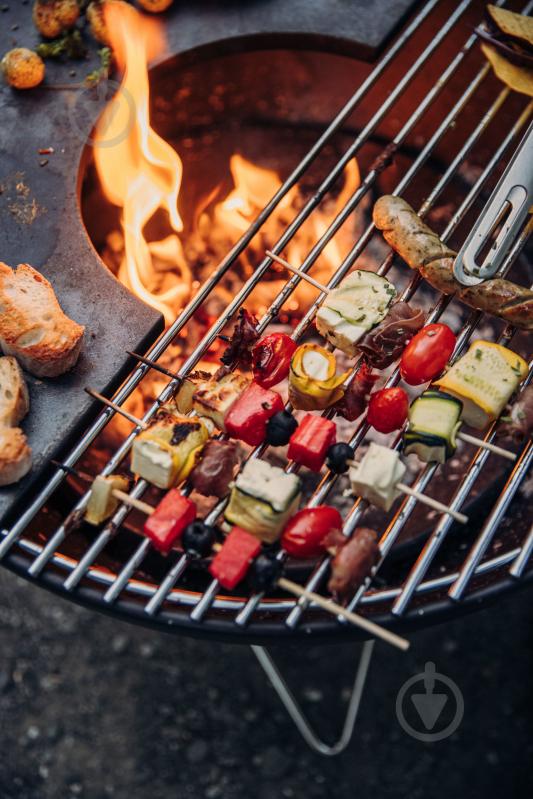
column 297, row 715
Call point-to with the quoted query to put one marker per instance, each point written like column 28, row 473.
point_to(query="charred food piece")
column 15, row 455
column 385, row 343
column 239, row 349
column 356, row 395
column 166, row 452
column 215, row 397
column 422, row 249
column 262, row 500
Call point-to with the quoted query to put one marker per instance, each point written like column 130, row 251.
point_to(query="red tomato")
column 271, row 359
column 388, row 409
column 306, row 532
column 427, row 354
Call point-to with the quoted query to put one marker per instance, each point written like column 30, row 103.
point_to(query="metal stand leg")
column 295, row 712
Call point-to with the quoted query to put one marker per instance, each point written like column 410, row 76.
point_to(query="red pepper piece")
column 170, row 518
column 232, row 561
column 271, row 358
column 247, row 418
column 310, row 442
column 306, row 533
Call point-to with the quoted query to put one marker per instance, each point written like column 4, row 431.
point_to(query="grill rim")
column 125, row 608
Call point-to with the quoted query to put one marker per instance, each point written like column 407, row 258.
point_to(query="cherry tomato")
column 427, row 354
column 388, row 409
column 305, row 533
column 271, row 359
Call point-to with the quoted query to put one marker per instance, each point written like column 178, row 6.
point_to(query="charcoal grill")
column 447, row 575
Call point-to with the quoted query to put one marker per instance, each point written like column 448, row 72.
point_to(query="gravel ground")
column 94, row 708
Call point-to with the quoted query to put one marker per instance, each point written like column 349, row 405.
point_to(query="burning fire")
column 142, row 175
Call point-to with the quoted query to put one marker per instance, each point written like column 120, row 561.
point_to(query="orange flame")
column 139, row 171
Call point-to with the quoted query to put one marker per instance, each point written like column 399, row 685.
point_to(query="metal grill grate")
column 169, row 601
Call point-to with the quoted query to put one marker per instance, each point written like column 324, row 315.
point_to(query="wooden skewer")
column 425, row 500
column 133, row 419
column 478, row 442
column 154, row 365
column 432, row 503
column 338, row 610
column 144, row 507
column 298, row 272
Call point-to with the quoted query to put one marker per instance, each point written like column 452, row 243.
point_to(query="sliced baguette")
column 15, row 455
column 14, row 397
column 33, row 327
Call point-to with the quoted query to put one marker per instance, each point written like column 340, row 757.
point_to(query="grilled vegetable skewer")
column 236, row 555
column 174, row 518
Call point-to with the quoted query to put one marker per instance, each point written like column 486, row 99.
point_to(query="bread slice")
column 14, row 397
column 15, row 455
column 33, row 327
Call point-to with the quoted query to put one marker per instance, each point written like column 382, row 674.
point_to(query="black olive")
column 337, row 457
column 265, row 571
column 280, row 428
column 198, row 539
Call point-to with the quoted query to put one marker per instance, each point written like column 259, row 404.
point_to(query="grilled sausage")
column 422, row 249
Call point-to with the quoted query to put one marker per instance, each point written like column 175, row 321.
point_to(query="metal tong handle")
column 509, row 205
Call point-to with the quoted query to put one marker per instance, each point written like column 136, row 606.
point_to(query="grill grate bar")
column 480, row 547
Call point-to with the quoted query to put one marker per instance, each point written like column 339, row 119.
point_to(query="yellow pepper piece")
column 307, row 392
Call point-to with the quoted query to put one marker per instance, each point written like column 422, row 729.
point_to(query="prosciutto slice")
column 385, row 343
